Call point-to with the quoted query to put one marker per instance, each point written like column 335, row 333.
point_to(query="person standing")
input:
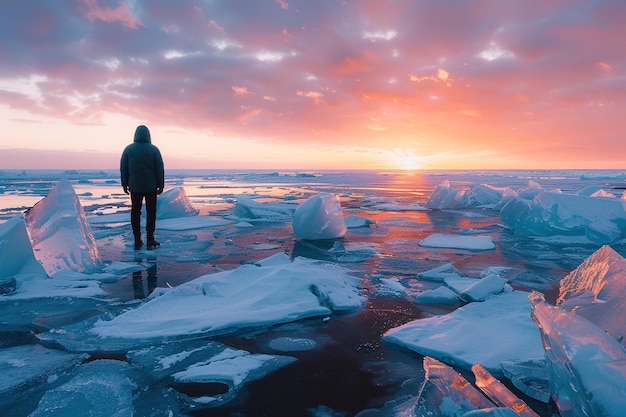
column 143, row 176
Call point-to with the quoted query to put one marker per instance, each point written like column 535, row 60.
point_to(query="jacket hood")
column 142, row 134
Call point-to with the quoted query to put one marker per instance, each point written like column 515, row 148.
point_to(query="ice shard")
column 587, row 367
column 60, row 234
column 319, row 217
column 596, row 290
column 445, row 392
column 174, row 203
column 497, row 392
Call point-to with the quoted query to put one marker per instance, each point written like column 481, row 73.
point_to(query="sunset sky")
column 315, row 84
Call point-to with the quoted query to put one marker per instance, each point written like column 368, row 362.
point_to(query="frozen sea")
column 342, row 366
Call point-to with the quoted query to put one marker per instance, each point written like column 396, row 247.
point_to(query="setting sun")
column 406, row 159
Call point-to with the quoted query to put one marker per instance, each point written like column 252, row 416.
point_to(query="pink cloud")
column 362, row 72
column 121, row 14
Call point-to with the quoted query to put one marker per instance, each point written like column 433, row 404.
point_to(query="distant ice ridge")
column 532, row 211
column 548, row 352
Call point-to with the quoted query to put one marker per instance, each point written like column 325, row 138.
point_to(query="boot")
column 138, row 243
column 152, row 244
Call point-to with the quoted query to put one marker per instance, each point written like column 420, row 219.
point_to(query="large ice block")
column 319, row 217
column 596, row 290
column 587, row 367
column 174, row 203
column 60, row 234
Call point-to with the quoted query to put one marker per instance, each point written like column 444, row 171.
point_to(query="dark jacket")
column 141, row 166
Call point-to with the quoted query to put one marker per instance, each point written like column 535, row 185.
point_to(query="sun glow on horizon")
column 406, row 159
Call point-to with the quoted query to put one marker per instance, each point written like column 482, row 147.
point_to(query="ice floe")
column 247, row 297
column 489, row 332
column 472, row 243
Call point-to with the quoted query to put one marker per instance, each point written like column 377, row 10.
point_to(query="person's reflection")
column 138, row 281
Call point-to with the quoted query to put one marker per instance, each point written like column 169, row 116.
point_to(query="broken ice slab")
column 24, row 367
column 587, row 367
column 60, row 234
column 442, row 296
column 163, row 360
column 471, row 243
column 110, row 392
column 247, row 297
column 596, row 290
column 249, row 209
column 497, row 392
column 445, row 392
column 485, row 288
column 439, row 273
column 489, row 332
column 216, row 371
column 319, row 217
column 106, row 388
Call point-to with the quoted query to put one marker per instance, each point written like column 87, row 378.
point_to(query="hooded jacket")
column 141, row 166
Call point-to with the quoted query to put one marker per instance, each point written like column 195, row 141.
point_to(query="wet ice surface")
column 404, row 255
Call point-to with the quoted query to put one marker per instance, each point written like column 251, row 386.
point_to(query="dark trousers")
column 135, row 213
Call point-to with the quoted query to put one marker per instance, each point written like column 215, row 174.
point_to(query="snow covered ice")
column 333, row 294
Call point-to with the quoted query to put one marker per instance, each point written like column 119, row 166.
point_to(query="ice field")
column 444, row 293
